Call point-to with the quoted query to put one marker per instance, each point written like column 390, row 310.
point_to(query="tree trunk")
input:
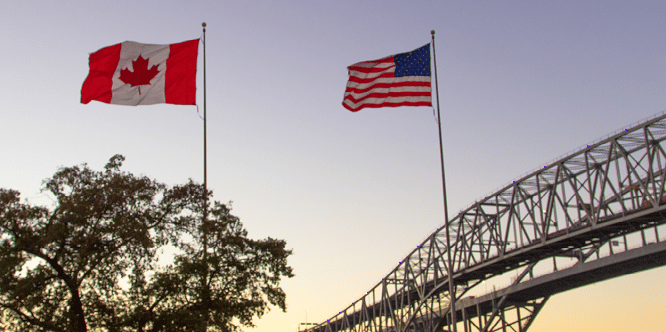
column 77, row 316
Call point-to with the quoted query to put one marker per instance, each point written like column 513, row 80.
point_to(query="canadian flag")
column 132, row 73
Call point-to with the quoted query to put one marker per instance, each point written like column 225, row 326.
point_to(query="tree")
column 91, row 261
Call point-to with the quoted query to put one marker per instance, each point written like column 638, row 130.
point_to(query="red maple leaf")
column 141, row 74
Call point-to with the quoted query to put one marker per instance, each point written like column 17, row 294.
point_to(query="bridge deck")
column 582, row 274
column 607, row 228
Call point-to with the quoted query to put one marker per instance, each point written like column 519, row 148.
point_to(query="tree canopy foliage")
column 92, row 260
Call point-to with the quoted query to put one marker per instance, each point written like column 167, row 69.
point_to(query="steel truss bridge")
column 594, row 214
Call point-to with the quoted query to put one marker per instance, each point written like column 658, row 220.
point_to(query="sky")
column 520, row 84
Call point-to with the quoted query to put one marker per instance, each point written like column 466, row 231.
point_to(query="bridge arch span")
column 593, row 214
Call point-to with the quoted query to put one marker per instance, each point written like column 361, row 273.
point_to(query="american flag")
column 398, row 80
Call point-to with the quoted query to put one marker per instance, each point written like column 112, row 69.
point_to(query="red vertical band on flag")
column 97, row 85
column 180, row 82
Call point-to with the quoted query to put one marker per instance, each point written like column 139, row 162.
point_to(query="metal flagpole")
column 206, row 293
column 205, row 170
column 452, row 293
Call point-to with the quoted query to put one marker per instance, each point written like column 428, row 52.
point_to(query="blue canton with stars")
column 414, row 63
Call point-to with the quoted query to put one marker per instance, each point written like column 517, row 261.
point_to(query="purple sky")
column 521, row 83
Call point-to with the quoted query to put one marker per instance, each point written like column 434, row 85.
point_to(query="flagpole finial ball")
column 203, row 24
column 432, row 32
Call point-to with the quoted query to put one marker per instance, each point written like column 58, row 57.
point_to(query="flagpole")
column 452, row 293
column 205, row 152
column 205, row 292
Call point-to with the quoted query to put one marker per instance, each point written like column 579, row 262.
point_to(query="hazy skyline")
column 520, row 82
